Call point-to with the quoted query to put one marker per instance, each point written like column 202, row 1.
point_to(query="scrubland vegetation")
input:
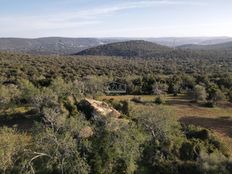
column 43, row 129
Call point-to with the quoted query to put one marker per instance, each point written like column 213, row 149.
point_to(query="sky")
column 115, row 18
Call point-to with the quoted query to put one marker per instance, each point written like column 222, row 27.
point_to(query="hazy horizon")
column 115, row 18
column 125, row 37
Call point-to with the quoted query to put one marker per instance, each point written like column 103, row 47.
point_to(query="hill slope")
column 50, row 45
column 137, row 48
column 65, row 46
column 218, row 47
column 178, row 41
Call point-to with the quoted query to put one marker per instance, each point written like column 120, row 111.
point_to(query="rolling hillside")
column 66, row 46
column 221, row 46
column 136, row 48
column 50, row 45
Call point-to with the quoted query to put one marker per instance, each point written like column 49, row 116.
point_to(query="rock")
column 97, row 109
column 71, row 100
column 86, row 132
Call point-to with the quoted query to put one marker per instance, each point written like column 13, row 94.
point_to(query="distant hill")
column 50, row 45
column 178, row 41
column 65, row 46
column 134, row 48
column 216, row 47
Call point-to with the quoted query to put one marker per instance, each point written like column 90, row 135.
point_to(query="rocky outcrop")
column 97, row 109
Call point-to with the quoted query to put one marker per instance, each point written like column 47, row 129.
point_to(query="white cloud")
column 93, row 13
column 67, row 20
column 202, row 29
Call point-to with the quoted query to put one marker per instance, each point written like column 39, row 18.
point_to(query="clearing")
column 218, row 119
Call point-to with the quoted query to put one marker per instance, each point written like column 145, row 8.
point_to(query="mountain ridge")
column 67, row 46
column 134, row 48
column 221, row 46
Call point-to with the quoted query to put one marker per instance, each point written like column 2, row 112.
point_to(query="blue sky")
column 115, row 18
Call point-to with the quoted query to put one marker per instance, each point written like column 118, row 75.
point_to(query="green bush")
column 123, row 106
column 12, row 146
column 230, row 96
column 159, row 100
column 200, row 93
column 209, row 104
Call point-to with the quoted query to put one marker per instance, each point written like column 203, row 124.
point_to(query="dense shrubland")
column 65, row 140
column 151, row 76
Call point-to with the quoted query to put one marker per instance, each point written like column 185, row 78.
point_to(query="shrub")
column 59, row 142
column 230, row 96
column 214, row 163
column 8, row 95
column 159, row 100
column 116, row 151
column 12, row 145
column 215, row 94
column 198, row 134
column 199, row 93
column 123, row 106
column 209, row 104
column 137, row 100
column 187, row 151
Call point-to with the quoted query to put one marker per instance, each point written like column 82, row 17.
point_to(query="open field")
column 218, row 119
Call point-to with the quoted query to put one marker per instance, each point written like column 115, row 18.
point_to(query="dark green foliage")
column 177, row 152
column 188, row 82
column 189, row 168
column 123, row 106
column 188, row 151
column 230, row 96
column 209, row 104
column 141, row 76
column 201, row 134
column 215, row 94
column 141, row 142
column 199, row 93
column 128, row 49
column 86, row 109
column 159, row 100
column 43, row 82
column 116, row 151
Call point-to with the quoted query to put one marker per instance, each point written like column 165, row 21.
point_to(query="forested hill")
column 67, row 46
column 144, row 49
column 137, row 48
column 50, row 45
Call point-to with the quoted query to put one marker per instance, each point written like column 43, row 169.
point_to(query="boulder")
column 86, row 132
column 97, row 109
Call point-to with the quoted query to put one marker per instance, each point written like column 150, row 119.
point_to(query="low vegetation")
column 44, row 129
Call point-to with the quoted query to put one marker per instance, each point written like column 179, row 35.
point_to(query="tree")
column 58, row 146
column 199, row 93
column 188, row 82
column 8, row 95
column 173, row 89
column 159, row 100
column 116, row 151
column 147, row 84
column 230, row 96
column 215, row 94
